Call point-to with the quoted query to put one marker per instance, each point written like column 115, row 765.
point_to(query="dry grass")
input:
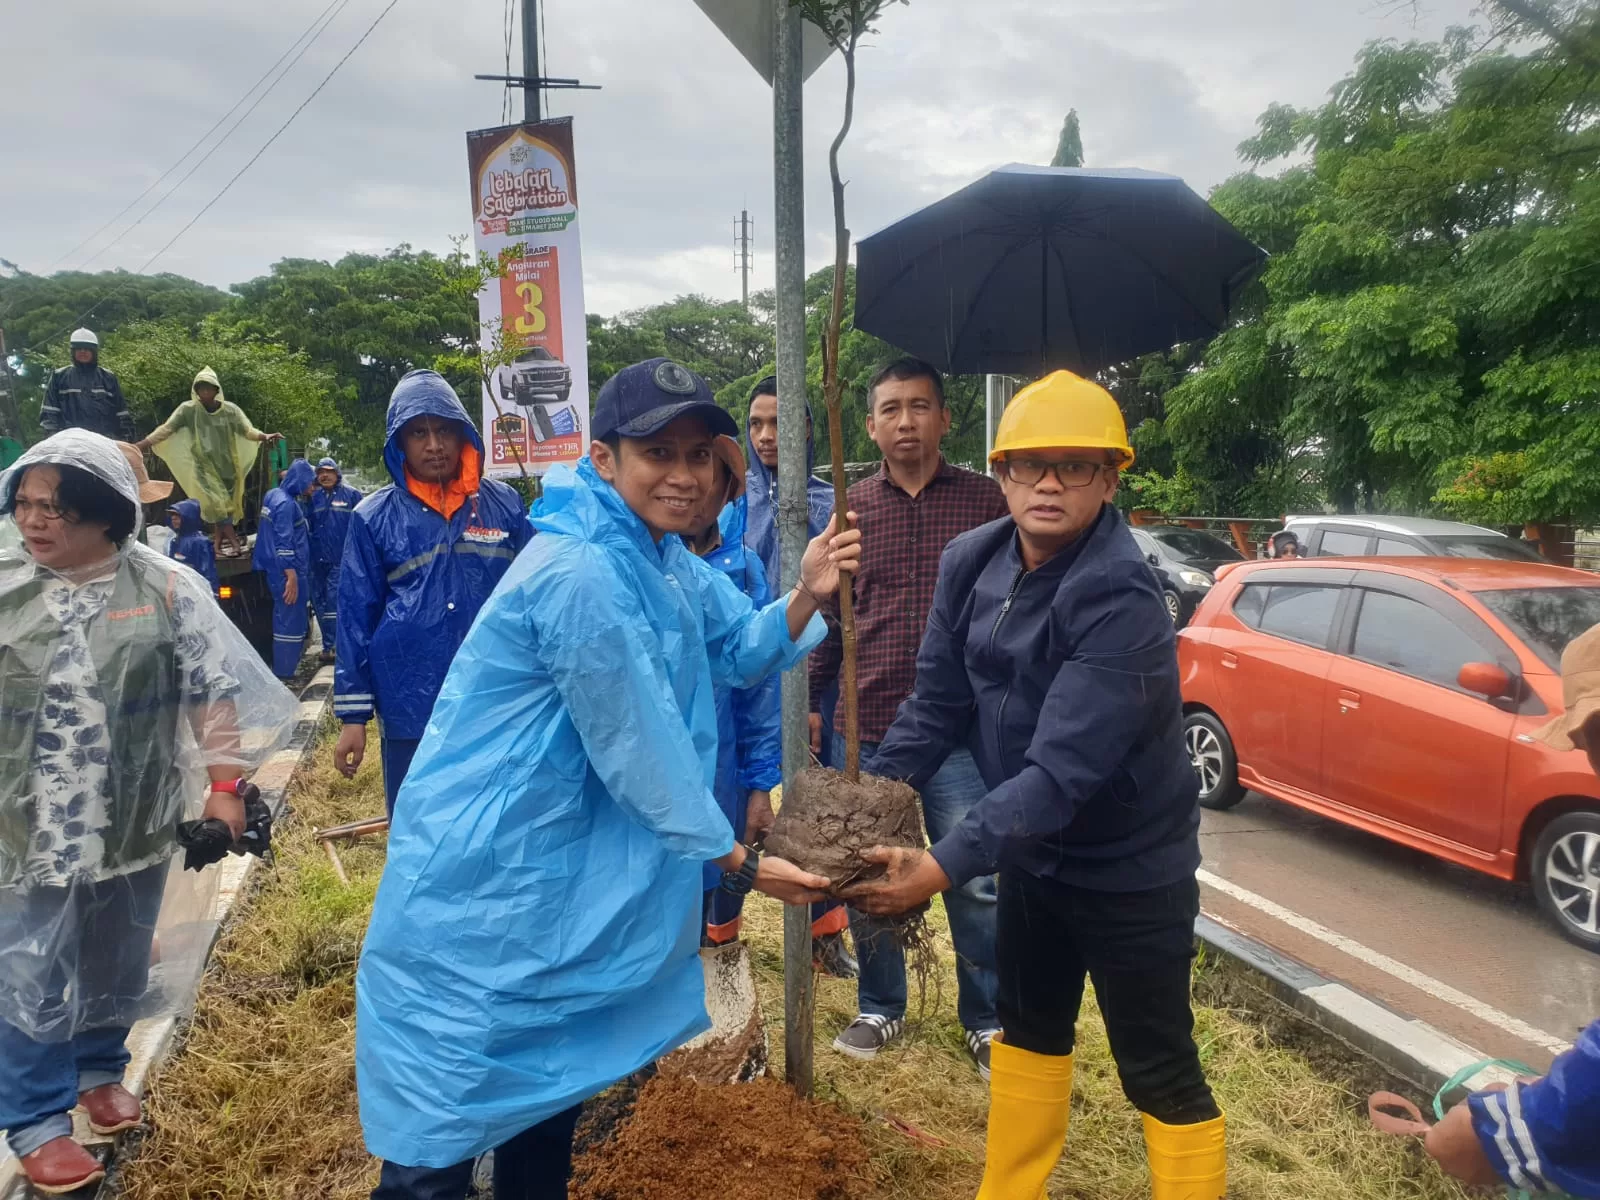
column 260, row 1100
column 259, row 1104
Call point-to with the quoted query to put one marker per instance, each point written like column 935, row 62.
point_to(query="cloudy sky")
column 100, row 98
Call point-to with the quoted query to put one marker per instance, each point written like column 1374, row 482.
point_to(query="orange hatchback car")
column 1394, row 695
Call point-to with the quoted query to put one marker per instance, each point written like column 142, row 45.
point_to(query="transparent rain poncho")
column 121, row 685
column 210, row 453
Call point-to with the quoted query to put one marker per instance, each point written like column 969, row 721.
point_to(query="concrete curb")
column 151, row 1041
column 1411, row 1049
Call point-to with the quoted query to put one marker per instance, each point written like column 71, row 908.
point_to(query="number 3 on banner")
column 532, row 318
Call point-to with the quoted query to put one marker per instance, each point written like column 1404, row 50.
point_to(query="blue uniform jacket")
column 749, row 736
column 1542, row 1136
column 536, row 934
column 191, row 546
column 1063, row 683
column 761, row 495
column 411, row 582
column 283, row 540
column 330, row 520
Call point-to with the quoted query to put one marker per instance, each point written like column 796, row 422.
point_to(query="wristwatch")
column 741, row 881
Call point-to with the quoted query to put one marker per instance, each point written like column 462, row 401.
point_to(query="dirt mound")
column 753, row 1141
column 827, row 821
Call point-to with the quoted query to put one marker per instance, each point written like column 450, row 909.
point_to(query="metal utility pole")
column 799, row 997
column 530, row 60
column 742, row 258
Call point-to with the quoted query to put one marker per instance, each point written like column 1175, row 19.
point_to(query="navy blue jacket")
column 191, row 546
column 1063, row 682
column 283, row 539
column 411, row 582
column 330, row 513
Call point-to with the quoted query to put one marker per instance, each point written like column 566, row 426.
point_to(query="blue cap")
column 644, row 399
column 327, row 464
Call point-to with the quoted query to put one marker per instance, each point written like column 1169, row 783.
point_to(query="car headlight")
column 1196, row 578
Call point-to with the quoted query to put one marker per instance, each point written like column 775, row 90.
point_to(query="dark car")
column 537, row 375
column 1185, row 562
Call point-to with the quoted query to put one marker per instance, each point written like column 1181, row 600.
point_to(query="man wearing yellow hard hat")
column 1049, row 654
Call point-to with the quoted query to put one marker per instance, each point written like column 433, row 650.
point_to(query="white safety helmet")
column 84, row 337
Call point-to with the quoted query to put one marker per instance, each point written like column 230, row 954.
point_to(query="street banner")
column 525, row 216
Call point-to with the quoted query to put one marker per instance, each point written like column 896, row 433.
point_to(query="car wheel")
column 1565, row 873
column 1174, row 603
column 1211, row 755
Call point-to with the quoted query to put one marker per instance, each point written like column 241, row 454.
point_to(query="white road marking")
column 1505, row 1022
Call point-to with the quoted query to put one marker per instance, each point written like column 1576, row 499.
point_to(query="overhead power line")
column 323, row 20
column 223, row 191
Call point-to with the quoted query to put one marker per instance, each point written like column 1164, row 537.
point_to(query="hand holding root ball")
column 911, row 878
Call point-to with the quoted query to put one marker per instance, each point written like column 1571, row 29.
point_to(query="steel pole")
column 789, row 228
column 530, row 60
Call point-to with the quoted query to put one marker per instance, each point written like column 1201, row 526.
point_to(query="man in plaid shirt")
column 908, row 511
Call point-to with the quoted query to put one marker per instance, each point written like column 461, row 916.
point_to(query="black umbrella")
column 1031, row 269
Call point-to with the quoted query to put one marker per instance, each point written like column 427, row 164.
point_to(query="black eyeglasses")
column 1073, row 474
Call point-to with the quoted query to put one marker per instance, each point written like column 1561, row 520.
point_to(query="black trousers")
column 1137, row 947
column 534, row 1165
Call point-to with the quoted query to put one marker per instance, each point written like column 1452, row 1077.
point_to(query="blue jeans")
column 97, row 938
column 534, row 1165
column 953, row 790
column 395, row 756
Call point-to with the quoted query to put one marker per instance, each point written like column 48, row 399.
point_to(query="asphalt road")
column 1469, row 954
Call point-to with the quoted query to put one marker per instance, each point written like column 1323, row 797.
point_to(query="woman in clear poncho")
column 127, row 704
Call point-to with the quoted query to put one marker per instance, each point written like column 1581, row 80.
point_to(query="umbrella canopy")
column 1032, row 269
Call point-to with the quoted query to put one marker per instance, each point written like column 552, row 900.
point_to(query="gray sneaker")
column 978, row 1046
column 868, row 1034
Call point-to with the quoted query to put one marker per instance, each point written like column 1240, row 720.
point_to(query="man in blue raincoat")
column 332, row 505
column 749, row 734
column 283, row 551
column 829, row 920
column 536, row 934
column 190, row 545
column 421, row 556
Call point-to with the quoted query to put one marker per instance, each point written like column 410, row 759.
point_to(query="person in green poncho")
column 210, row 446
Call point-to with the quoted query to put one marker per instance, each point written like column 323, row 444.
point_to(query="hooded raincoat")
column 535, row 937
column 749, row 738
column 119, row 688
column 1540, row 1136
column 283, row 544
column 209, row 453
column 191, row 546
column 413, row 579
column 331, row 510
column 761, row 487
column 86, row 396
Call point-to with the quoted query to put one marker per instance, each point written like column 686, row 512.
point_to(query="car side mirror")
column 1153, row 559
column 1486, row 679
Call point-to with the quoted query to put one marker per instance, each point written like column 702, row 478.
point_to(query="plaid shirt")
column 902, row 538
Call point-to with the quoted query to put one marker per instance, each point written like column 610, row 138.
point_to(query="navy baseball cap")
column 644, row 399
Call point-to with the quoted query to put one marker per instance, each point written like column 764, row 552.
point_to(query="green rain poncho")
column 210, row 453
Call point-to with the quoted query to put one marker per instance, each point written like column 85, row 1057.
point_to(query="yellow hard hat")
column 1059, row 411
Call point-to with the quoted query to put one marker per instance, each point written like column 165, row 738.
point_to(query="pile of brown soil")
column 735, row 1059
column 754, row 1141
column 827, row 821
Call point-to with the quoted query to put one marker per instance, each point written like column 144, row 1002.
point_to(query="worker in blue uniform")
column 333, row 502
column 190, row 545
column 421, row 556
column 283, row 552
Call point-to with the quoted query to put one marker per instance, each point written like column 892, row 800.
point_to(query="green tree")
column 1069, row 146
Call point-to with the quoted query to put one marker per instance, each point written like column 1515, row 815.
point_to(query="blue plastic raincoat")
column 191, row 546
column 1540, row 1137
column 749, row 733
column 411, row 580
column 283, row 543
column 329, row 511
column 761, row 490
column 535, row 937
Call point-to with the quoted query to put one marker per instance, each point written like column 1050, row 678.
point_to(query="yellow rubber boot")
column 1187, row 1162
column 1030, row 1101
